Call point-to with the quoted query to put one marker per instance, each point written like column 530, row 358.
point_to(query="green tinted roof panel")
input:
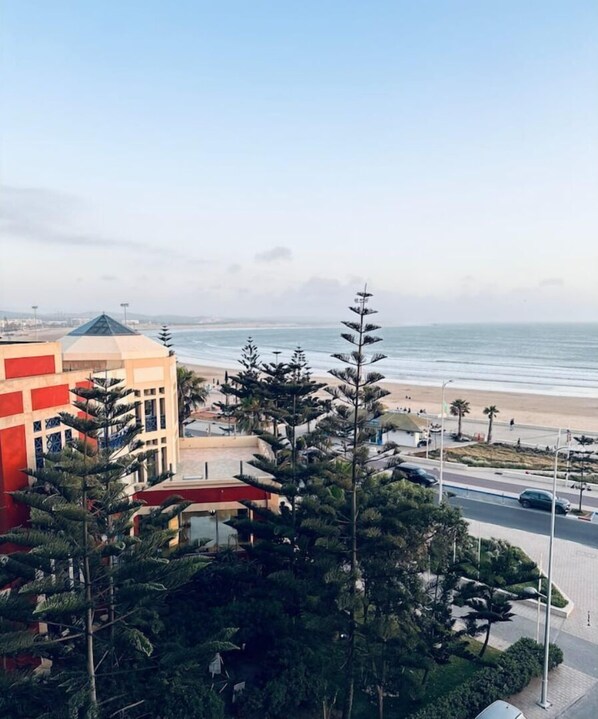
column 102, row 326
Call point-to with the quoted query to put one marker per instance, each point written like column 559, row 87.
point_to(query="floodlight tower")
column 124, row 305
column 34, row 308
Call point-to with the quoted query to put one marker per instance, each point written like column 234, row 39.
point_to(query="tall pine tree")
column 81, row 576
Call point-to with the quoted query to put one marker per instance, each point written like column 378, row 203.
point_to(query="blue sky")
column 254, row 158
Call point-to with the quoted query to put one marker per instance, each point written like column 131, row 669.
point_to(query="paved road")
column 515, row 487
column 585, row 707
column 528, row 520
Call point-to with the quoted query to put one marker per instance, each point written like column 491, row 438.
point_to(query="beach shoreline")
column 578, row 414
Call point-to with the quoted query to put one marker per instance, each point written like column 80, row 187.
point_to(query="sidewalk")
column 574, row 571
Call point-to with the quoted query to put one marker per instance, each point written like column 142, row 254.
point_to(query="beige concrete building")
column 146, row 367
column 36, row 379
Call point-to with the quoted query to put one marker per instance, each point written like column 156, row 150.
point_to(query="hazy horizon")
column 268, row 161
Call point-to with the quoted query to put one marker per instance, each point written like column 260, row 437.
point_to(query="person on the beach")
column 512, row 424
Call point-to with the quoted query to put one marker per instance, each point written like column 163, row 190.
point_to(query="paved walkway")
column 573, row 690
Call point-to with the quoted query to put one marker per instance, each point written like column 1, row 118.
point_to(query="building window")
column 151, row 466
column 148, row 392
column 37, row 426
column 38, row 444
column 162, row 413
column 54, row 442
column 161, row 390
column 151, row 421
column 68, row 436
column 52, row 422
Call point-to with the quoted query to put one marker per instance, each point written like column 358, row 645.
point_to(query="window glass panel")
column 37, row 426
column 38, row 443
column 54, row 442
column 52, row 422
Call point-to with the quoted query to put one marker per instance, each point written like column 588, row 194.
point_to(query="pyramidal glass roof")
column 102, row 326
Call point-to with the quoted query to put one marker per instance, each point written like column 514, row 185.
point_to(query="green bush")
column 514, row 670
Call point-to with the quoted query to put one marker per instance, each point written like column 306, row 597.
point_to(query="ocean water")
column 556, row 359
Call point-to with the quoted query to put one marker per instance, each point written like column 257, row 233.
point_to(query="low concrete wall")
column 249, row 441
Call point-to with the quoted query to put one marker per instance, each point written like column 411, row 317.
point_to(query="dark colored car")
column 413, row 473
column 542, row 499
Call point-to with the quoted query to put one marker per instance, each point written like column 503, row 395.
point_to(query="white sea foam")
column 555, row 359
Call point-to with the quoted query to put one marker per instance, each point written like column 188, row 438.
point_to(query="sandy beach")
column 575, row 413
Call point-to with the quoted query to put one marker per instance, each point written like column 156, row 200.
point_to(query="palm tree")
column 488, row 606
column 491, row 413
column 191, row 392
column 459, row 408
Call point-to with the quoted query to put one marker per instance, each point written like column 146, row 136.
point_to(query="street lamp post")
column 124, row 305
column 444, row 384
column 34, row 308
column 544, row 703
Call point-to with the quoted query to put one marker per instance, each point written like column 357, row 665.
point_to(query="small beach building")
column 404, row 429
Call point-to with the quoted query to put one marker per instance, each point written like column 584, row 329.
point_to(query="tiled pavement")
column 565, row 687
column 572, row 692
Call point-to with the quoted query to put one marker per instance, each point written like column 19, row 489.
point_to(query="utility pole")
column 34, row 308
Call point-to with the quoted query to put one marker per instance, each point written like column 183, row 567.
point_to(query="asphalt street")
column 528, row 520
column 589, row 499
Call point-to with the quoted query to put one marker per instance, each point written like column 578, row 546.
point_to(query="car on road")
column 501, row 710
column 542, row 499
column 415, row 474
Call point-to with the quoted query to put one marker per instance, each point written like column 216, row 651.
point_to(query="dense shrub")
column 512, row 673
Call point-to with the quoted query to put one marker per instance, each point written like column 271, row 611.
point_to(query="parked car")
column 542, row 499
column 415, row 474
column 424, row 442
column 501, row 710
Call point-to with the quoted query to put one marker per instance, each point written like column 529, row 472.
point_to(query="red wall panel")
column 55, row 396
column 29, row 366
column 13, row 459
column 201, row 495
column 11, row 403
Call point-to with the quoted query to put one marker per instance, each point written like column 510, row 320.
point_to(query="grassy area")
column 520, row 565
column 510, row 456
column 441, row 680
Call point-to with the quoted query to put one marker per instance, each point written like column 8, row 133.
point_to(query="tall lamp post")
column 34, row 308
column 544, row 703
column 124, row 305
column 444, row 384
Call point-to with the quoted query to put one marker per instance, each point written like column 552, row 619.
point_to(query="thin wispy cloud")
column 275, row 254
column 41, row 216
column 552, row 282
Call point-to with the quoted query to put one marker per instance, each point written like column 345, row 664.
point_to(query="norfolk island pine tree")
column 89, row 584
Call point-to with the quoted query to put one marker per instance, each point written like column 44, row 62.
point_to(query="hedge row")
column 513, row 672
